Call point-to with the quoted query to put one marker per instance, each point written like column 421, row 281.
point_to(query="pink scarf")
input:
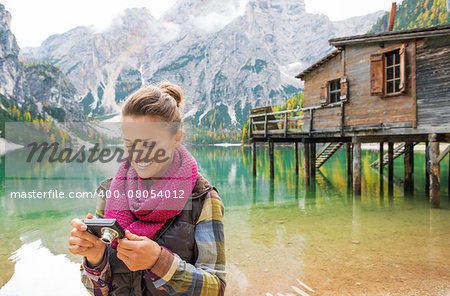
column 166, row 198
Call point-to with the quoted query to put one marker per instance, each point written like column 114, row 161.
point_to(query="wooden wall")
column 433, row 81
column 328, row 71
column 361, row 108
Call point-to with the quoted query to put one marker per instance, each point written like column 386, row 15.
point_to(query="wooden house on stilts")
column 391, row 87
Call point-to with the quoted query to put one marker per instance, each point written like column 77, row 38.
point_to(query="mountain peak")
column 281, row 6
column 5, row 17
column 8, row 44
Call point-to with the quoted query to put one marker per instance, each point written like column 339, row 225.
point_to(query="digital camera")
column 106, row 229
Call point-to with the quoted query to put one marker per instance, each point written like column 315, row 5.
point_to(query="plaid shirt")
column 171, row 273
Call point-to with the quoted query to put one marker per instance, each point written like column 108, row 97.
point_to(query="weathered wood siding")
column 433, row 82
column 361, row 108
column 330, row 70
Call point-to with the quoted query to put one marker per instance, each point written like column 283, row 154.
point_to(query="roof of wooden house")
column 441, row 30
column 319, row 63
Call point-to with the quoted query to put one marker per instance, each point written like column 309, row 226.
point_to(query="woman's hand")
column 137, row 252
column 84, row 243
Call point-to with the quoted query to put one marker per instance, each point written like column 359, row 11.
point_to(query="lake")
column 280, row 235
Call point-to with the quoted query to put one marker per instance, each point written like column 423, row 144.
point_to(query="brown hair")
column 162, row 100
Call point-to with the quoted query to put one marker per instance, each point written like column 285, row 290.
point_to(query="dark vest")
column 177, row 235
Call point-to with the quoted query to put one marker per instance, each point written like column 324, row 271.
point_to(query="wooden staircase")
column 327, row 150
column 398, row 150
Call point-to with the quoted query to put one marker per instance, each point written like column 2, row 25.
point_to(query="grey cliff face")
column 12, row 76
column 35, row 84
column 235, row 54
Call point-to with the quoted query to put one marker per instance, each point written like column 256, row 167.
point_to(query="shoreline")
column 364, row 146
column 7, row 146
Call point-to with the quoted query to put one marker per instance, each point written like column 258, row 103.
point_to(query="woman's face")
column 149, row 144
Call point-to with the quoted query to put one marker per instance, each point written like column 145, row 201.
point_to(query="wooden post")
column 265, row 125
column 312, row 157
column 271, row 190
column 427, row 173
column 390, row 169
column 254, row 158
column 306, row 163
column 409, row 167
column 435, row 175
column 285, row 124
column 349, row 158
column 254, row 190
column 357, row 167
column 391, row 162
column 414, row 80
column 271, row 166
column 381, row 157
column 296, row 158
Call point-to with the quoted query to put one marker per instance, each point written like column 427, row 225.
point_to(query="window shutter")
column 377, row 74
column 344, row 89
column 402, row 53
column 324, row 93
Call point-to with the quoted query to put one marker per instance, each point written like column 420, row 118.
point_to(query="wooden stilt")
column 409, row 167
column 254, row 158
column 348, row 153
column 391, row 162
column 435, row 175
column 271, row 190
column 427, row 173
column 390, row 169
column 271, row 165
column 381, row 157
column 306, row 163
column 296, row 158
column 254, row 190
column 312, row 157
column 357, row 168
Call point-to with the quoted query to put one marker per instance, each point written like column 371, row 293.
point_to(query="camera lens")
column 108, row 235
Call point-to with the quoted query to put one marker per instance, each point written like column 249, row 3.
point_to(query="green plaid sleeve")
column 208, row 275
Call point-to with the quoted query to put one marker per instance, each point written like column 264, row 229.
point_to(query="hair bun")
column 173, row 90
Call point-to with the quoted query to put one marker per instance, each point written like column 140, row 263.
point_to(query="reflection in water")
column 320, row 234
column 39, row 272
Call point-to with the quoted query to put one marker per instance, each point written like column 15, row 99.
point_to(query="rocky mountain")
column 52, row 90
column 228, row 56
column 12, row 74
column 36, row 89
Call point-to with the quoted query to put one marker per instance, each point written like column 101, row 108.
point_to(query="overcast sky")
column 34, row 20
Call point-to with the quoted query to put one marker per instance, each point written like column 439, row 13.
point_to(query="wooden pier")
column 391, row 87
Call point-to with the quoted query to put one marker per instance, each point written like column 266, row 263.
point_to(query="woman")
column 174, row 242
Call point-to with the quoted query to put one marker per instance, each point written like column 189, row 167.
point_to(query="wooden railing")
column 288, row 121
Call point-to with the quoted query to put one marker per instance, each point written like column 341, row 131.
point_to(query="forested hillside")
column 416, row 14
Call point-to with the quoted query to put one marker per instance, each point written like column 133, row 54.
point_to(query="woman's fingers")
column 78, row 224
column 128, row 253
column 122, row 256
column 86, row 236
column 77, row 250
column 73, row 240
column 81, row 241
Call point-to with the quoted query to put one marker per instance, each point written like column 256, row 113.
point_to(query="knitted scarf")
column 143, row 210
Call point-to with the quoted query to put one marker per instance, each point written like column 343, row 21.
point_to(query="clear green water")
column 276, row 232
